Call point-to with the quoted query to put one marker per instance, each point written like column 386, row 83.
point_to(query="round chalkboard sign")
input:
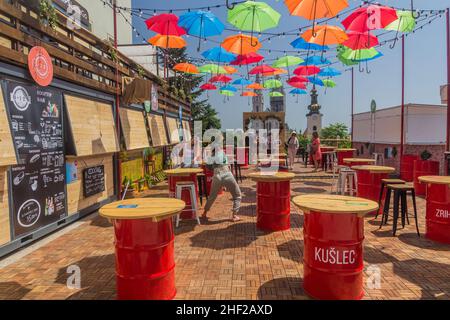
column 29, row 213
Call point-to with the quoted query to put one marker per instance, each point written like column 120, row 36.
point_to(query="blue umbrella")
column 329, row 72
column 300, row 43
column 298, row 91
column 242, row 82
column 228, row 88
column 315, row 61
column 219, row 54
column 316, row 81
column 201, row 24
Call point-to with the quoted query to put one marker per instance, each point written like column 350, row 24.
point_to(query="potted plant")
column 424, row 167
column 130, row 190
column 47, row 14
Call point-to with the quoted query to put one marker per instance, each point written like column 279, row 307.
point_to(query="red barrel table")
column 333, row 232
column 358, row 162
column 343, row 153
column 144, row 241
column 209, row 174
column 273, row 204
column 438, row 208
column 183, row 174
column 407, row 167
column 424, row 168
column 242, row 155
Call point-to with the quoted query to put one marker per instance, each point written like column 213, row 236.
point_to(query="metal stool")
column 379, row 159
column 385, row 182
column 202, row 188
column 178, row 191
column 347, row 182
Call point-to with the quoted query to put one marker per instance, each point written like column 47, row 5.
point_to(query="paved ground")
column 225, row 260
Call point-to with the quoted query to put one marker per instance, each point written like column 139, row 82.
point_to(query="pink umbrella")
column 297, row 84
column 208, row 86
column 262, row 69
column 220, row 78
column 298, row 79
column 371, row 17
column 360, row 40
column 248, row 58
column 306, row 70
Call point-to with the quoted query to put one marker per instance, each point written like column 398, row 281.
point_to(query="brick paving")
column 225, row 260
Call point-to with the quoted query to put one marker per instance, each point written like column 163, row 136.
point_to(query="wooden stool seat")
column 406, row 186
column 392, row 181
column 184, row 183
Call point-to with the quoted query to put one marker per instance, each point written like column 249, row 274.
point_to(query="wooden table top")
column 375, row 169
column 267, row 176
column 182, row 171
column 328, row 147
column 435, row 179
column 344, row 149
column 143, row 208
column 336, row 204
column 358, row 160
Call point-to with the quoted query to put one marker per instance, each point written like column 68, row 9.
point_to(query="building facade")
column 278, row 104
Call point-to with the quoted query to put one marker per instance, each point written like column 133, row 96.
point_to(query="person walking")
column 316, row 152
column 292, row 145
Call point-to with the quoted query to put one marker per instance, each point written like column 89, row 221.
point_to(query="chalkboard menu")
column 93, row 180
column 37, row 184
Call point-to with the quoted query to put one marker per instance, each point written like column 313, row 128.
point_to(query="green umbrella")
column 340, row 51
column 360, row 55
column 227, row 93
column 276, row 94
column 329, row 83
column 272, row 84
column 253, row 16
column 287, row 61
column 212, row 68
column 405, row 22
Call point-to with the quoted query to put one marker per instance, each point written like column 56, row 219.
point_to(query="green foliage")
column 47, row 14
column 204, row 112
column 425, row 155
column 303, row 141
column 333, row 131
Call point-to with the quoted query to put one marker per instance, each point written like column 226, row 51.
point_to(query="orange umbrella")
column 277, row 72
column 255, row 86
column 315, row 9
column 241, row 44
column 230, row 70
column 186, row 68
column 325, row 35
column 167, row 41
column 248, row 94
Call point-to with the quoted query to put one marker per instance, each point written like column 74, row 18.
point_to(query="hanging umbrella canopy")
column 361, row 55
column 315, row 9
column 287, row 61
column 329, row 83
column 255, row 86
column 242, row 82
column 329, row 72
column 297, row 91
column 298, row 79
column 241, row 44
column 208, row 86
column 167, row 42
column 405, row 22
column 297, row 84
column 253, row 16
column 248, row 58
column 201, row 24
column 262, row 69
column 212, row 68
column 228, row 88
column 370, row 17
column 272, row 84
column 325, row 35
column 340, row 51
column 300, row 43
column 316, row 81
column 220, row 78
column 276, row 94
column 306, row 70
column 230, row 70
column 315, row 61
column 165, row 24
column 219, row 54
column 186, row 68
column 227, row 93
column 277, row 72
column 360, row 40
column 248, row 94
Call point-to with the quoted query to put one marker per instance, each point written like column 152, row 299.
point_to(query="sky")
column 425, row 64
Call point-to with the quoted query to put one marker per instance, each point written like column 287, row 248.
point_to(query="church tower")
column 314, row 117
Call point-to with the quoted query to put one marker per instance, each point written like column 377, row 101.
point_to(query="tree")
column 333, row 131
column 204, row 112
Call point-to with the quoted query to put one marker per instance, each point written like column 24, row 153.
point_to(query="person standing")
column 316, row 152
column 292, row 145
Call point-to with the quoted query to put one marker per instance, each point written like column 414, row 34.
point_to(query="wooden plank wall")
column 172, row 127
column 7, row 151
column 5, row 230
column 133, row 129
column 75, row 198
column 187, row 130
column 157, row 130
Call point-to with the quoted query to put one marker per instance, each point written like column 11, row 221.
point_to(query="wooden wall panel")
column 157, row 130
column 93, row 127
column 187, row 130
column 5, row 230
column 172, row 126
column 7, row 150
column 133, row 129
column 75, row 198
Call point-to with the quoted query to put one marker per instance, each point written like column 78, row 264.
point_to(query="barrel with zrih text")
column 424, row 168
column 407, row 167
column 438, row 208
column 343, row 153
column 333, row 233
column 273, row 204
column 144, row 243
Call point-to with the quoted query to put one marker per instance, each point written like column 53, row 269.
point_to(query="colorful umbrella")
column 167, row 42
column 262, row 69
column 208, row 86
column 316, row 81
column 297, row 91
column 212, row 68
column 329, row 83
column 360, row 40
column 340, row 50
column 255, row 86
column 220, row 78
column 370, row 17
column 227, row 93
column 329, row 72
column 248, row 94
column 406, row 22
column 315, row 61
column 361, row 55
column 201, row 24
column 165, row 24
column 277, row 72
column 248, row 58
column 298, row 79
column 315, row 9
column 242, row 82
column 228, row 88
column 300, row 43
column 253, row 16
column 276, row 94
column 297, row 84
column 241, row 44
column 287, row 61
column 272, row 84
column 325, row 35
column 306, row 70
column 230, row 70
column 186, row 68
column 219, row 54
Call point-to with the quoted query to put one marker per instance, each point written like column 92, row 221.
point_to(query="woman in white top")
column 292, row 145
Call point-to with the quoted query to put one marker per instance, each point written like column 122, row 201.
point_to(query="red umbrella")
column 306, row 70
column 208, row 86
column 262, row 69
column 297, row 84
column 298, row 79
column 165, row 24
column 220, row 78
column 248, row 58
column 360, row 40
column 370, row 18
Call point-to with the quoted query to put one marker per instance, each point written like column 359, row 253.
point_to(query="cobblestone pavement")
column 225, row 260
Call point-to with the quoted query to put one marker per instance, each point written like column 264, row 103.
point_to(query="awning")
column 133, row 129
column 157, row 130
column 7, row 151
column 173, row 126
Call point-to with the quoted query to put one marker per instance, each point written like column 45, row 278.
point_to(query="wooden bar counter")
column 144, row 241
column 333, row 232
column 438, row 208
column 273, row 206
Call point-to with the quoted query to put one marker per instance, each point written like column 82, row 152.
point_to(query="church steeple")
column 314, row 107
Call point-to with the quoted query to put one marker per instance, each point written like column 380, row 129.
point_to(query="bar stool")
column 400, row 205
column 202, row 188
column 385, row 182
column 347, row 181
column 180, row 185
column 379, row 159
column 330, row 162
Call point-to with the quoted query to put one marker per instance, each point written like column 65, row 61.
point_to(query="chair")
column 202, row 188
column 347, row 181
column 379, row 159
column 180, row 185
column 384, row 183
